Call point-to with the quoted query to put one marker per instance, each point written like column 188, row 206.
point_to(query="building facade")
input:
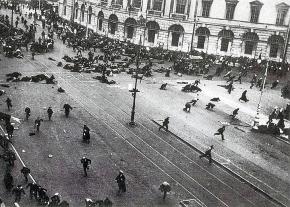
column 224, row 27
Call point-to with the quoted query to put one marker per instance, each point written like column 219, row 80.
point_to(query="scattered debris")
column 59, row 64
column 61, row 90
column 51, row 59
column 50, row 155
column 5, row 85
column 31, row 133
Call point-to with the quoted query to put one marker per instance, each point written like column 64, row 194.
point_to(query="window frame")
column 206, row 4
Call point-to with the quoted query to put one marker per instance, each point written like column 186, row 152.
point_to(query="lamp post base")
column 132, row 123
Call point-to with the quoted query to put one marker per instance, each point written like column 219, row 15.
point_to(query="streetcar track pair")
column 143, row 140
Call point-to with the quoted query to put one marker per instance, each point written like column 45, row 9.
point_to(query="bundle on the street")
column 103, row 79
column 15, row 77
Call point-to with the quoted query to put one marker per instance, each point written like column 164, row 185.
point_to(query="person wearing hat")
column 121, row 182
column 207, row 154
column 18, row 191
column 86, row 163
column 165, row 124
column 49, row 113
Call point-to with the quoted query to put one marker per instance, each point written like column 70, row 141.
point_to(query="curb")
column 228, row 170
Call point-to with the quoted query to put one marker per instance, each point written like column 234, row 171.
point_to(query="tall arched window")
column 90, row 12
column 177, row 32
column 100, row 20
column 153, row 29
column 82, row 13
column 113, row 23
column 250, row 40
column 202, row 34
column 64, row 7
column 130, row 25
column 276, row 43
column 226, row 37
column 76, row 10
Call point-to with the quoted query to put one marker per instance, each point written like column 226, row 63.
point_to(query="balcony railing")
column 116, row 6
column 176, row 16
column 154, row 13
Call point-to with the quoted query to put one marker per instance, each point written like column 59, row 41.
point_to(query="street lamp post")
column 257, row 117
column 135, row 90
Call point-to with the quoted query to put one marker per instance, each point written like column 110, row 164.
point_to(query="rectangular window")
column 274, row 50
column 104, row 2
column 281, row 17
column 136, row 3
column 249, row 47
column 200, row 42
column 64, row 10
column 255, row 12
column 206, row 8
column 157, row 5
column 180, row 6
column 225, row 44
column 230, row 10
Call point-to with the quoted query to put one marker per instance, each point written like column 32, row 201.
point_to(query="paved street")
column 147, row 156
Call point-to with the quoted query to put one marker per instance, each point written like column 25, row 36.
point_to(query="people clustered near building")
column 81, row 41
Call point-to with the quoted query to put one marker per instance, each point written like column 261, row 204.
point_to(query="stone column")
column 193, row 6
column 144, row 6
column 167, row 7
column 125, row 4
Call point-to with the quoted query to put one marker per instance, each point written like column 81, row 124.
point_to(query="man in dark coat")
column 86, row 134
column 49, row 113
column 86, row 163
column 244, row 97
column 121, row 182
column 207, row 154
column 274, row 84
column 187, row 107
column 9, row 130
column 33, row 189
column 235, row 113
column 221, row 132
column 25, row 171
column 18, row 191
column 165, row 124
column 27, row 112
column 67, row 109
column 9, row 103
column 37, row 123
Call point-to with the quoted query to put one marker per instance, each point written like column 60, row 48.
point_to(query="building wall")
column 215, row 23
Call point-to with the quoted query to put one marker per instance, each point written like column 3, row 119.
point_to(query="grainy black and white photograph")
column 144, row 103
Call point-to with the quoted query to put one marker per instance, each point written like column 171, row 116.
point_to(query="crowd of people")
column 124, row 54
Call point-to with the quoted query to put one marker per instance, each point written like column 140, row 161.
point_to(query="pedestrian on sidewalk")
column 9, row 130
column 37, row 123
column 9, row 103
column 18, row 191
column 49, row 113
column 121, row 180
column 165, row 124
column 86, row 164
column 207, row 154
column 25, row 171
column 220, row 131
